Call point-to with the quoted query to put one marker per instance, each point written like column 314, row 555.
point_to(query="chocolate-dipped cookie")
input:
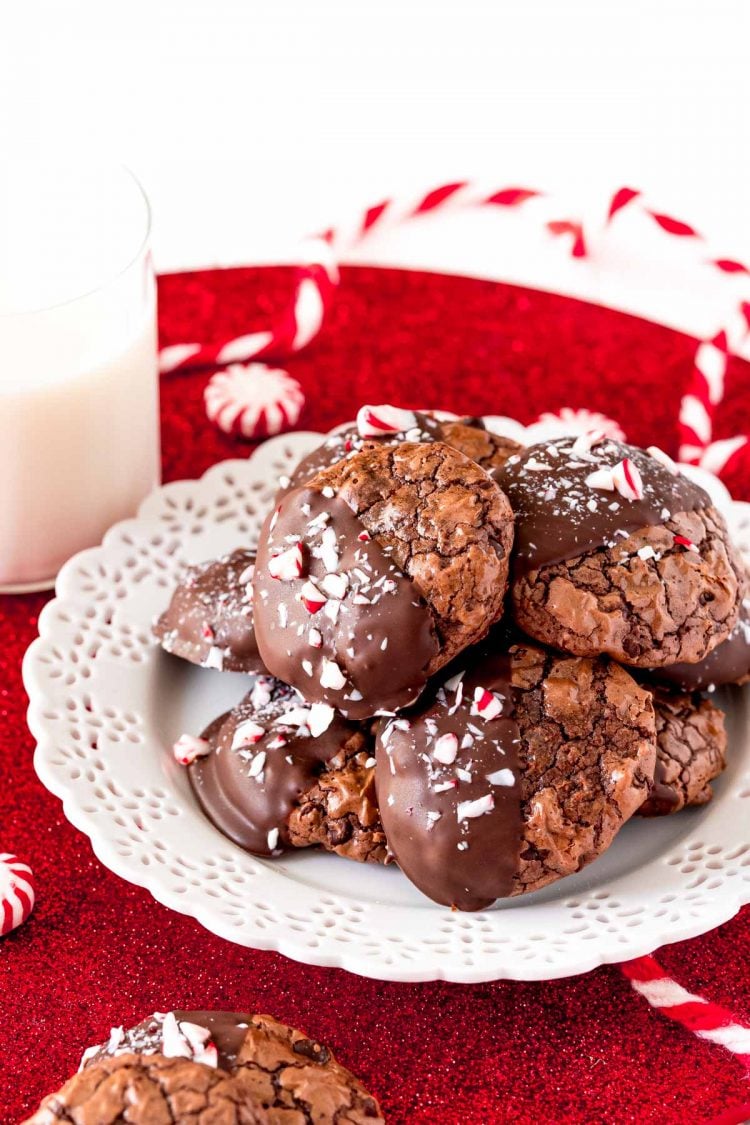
column 691, row 743
column 379, row 572
column 222, row 1068
column 390, row 424
column 728, row 663
column 619, row 553
column 277, row 772
column 516, row 772
column 209, row 620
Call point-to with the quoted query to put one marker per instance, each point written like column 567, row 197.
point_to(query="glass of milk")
column 79, row 400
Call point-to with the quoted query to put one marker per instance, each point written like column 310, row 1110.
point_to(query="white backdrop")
column 251, row 122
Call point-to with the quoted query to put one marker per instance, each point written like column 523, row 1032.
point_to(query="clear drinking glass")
column 79, row 399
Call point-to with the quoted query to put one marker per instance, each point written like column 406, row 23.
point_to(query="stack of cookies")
column 476, row 659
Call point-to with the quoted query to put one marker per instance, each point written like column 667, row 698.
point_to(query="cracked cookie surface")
column 560, row 754
column 691, row 745
column 647, row 601
column 268, row 1074
column 397, row 560
column 446, row 525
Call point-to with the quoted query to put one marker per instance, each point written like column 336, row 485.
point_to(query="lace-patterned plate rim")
column 93, row 678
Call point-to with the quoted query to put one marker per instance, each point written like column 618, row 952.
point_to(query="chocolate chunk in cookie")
column 728, row 663
column 618, row 553
column 226, row 1068
column 691, row 744
column 279, row 772
column 517, row 772
column 209, row 620
column 389, row 424
column 379, row 572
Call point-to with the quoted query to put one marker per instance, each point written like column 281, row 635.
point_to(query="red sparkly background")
column 99, row 952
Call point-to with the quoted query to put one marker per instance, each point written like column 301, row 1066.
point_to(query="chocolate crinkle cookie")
column 619, row 553
column 210, row 1068
column 379, row 572
column 387, row 425
column 519, row 770
column 278, row 772
column 209, row 620
column 691, row 745
column 728, row 663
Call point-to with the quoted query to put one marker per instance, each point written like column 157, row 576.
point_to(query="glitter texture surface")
column 99, row 952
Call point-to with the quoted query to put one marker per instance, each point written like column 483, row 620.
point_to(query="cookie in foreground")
column 222, row 1068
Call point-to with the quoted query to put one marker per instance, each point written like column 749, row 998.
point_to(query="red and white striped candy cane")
column 314, row 282
column 317, row 277
column 705, row 389
column 708, row 1021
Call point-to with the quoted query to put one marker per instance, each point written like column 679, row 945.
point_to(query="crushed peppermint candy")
column 320, row 718
column 601, row 478
column 627, row 479
column 272, row 839
column 331, row 676
column 467, row 810
column 501, row 777
column 257, row 765
column 335, row 585
column 187, row 748
column 376, row 421
column 311, row 597
column 247, row 734
column 683, row 541
column 583, row 444
column 486, row 704
column 315, row 638
column 446, row 749
column 181, row 1039
column 288, row 565
column 663, row 459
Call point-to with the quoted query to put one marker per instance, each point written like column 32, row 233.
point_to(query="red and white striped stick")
column 710, row 1022
column 317, row 277
column 300, row 322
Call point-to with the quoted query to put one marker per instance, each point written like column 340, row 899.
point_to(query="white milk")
column 79, row 416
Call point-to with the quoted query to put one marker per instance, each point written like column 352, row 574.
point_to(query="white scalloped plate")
column 106, row 705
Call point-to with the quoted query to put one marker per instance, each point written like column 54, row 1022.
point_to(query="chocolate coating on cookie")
column 264, row 757
column 561, row 513
column 648, row 581
column 209, row 620
column 227, row 1031
column 468, row 435
column 449, row 789
column 334, row 649
column 728, row 663
column 578, row 745
column 691, row 744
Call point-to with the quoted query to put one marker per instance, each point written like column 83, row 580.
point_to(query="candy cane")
column 316, row 280
column 705, row 1019
column 16, row 892
column 705, row 389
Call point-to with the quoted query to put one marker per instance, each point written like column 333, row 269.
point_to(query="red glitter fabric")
column 98, row 952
